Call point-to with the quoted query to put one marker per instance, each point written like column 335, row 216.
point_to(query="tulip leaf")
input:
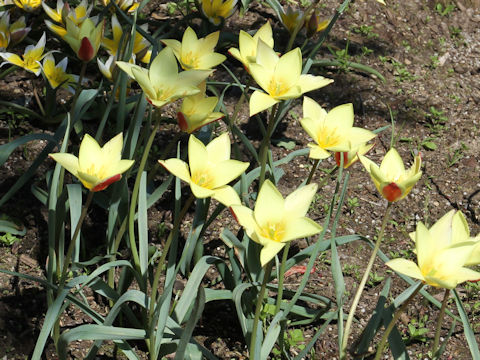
column 429, row 145
column 7, row 226
column 467, row 329
column 75, row 205
column 143, row 225
column 8, row 148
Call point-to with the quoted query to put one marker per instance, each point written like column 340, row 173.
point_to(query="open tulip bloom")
column 332, row 131
column 391, row 179
column 209, row 169
column 275, row 220
column 441, row 258
column 28, row 5
column 217, row 10
column 31, row 57
column 162, row 83
column 96, row 167
column 194, row 53
column 247, row 51
column 197, row 111
column 56, row 73
column 280, row 77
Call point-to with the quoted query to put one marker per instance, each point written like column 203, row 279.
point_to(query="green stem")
column 280, row 277
column 161, row 262
column 133, row 204
column 258, row 308
column 356, row 299
column 78, row 89
column 392, row 323
column 436, row 340
column 266, row 144
column 71, row 246
column 314, row 167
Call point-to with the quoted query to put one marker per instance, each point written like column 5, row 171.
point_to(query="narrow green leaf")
column 143, row 225
column 467, row 329
column 75, row 204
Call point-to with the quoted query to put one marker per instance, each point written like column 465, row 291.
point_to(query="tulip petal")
column 300, row 227
column 309, row 82
column 226, row 195
column 269, row 251
column 270, row 206
column 89, row 152
column 178, row 168
column 226, row 171
column 244, row 216
column 298, row 202
column 197, row 156
column 260, row 101
column 312, row 110
column 200, row 192
column 405, row 267
column 424, row 244
column 68, row 161
column 392, row 165
column 219, row 149
column 316, row 152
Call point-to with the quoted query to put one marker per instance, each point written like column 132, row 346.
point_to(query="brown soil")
column 431, row 63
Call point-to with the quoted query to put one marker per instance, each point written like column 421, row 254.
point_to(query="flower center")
column 327, row 137
column 190, row 60
column 203, row 179
column 274, row 231
column 98, row 172
column 277, row 87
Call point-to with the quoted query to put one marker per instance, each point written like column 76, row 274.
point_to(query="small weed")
column 406, row 45
column 374, row 278
column 352, row 203
column 444, row 10
column 293, row 338
column 436, row 119
column 366, row 30
column 455, row 32
column 401, row 73
column 8, row 239
column 434, row 62
column 366, row 51
column 417, row 330
column 352, row 270
column 456, row 155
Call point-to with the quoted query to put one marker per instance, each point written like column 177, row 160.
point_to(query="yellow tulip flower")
column 96, row 167
column 291, row 19
column 56, row 74
column 194, row 53
column 162, row 83
column 63, row 11
column 350, row 157
column 140, row 44
column 275, row 220
column 209, row 169
column 28, row 5
column 332, row 131
column 217, row 11
column 451, row 230
column 280, row 77
column 441, row 261
column 391, row 179
column 247, row 51
column 128, row 6
column 31, row 57
column 197, row 111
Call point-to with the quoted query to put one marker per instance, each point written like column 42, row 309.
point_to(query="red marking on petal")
column 345, row 158
column 297, row 269
column 233, row 213
column 182, row 121
column 86, row 51
column 104, row 184
column 474, row 280
column 392, row 192
column 149, row 101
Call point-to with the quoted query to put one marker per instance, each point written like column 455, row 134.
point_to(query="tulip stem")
column 436, row 340
column 392, row 323
column 314, row 167
column 280, row 277
column 78, row 89
column 136, row 187
column 356, row 299
column 258, row 308
column 266, row 144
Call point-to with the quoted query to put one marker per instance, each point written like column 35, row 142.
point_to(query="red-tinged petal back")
column 86, row 51
column 345, row 158
column 182, row 122
column 392, row 192
column 104, row 184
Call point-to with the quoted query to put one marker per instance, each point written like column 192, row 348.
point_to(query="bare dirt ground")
column 430, row 59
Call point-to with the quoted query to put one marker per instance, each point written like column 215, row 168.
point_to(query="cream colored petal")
column 177, row 167
column 474, row 258
column 201, row 192
column 142, row 77
column 68, row 161
column 89, row 154
column 175, row 45
column 164, row 67
column 226, row 171
column 226, row 195
column 298, row 202
column 119, row 168
column 289, row 67
column 89, row 181
column 316, row 152
column 197, row 156
column 312, row 110
column 442, row 230
column 112, row 150
column 269, row 208
column 309, row 82
column 405, row 267
column 266, row 34
column 269, row 251
column 358, row 136
column 244, row 216
column 460, row 231
column 392, row 165
column 260, row 101
column 342, row 116
column 193, row 77
column 210, row 61
column 236, row 54
column 266, row 56
column 219, row 149
column 297, row 228
column 211, row 40
column 247, row 46
column 312, row 127
column 263, row 76
column 425, row 246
